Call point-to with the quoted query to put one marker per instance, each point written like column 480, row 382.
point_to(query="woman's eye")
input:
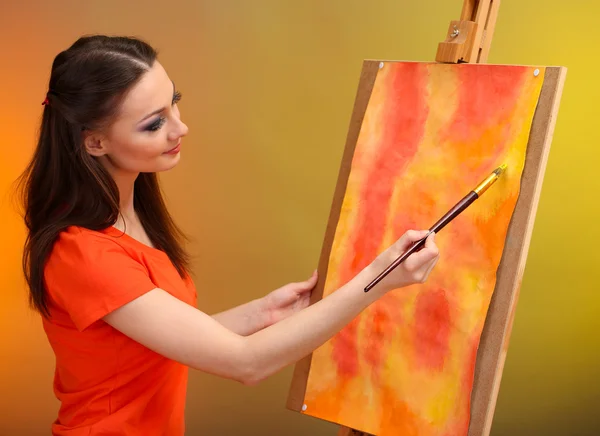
column 160, row 121
column 156, row 125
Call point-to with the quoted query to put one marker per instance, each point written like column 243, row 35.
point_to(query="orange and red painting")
column 431, row 132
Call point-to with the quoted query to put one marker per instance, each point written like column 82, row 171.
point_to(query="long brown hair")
column 63, row 185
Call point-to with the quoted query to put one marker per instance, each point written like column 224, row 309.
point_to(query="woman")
column 107, row 270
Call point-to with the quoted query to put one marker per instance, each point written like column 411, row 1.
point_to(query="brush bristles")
column 500, row 169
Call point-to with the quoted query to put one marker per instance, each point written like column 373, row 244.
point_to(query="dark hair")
column 64, row 185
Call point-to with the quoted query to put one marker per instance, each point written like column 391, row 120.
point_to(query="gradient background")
column 268, row 89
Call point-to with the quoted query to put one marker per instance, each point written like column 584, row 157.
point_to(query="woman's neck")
column 125, row 183
column 128, row 220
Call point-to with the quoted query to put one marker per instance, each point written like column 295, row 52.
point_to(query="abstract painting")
column 430, row 133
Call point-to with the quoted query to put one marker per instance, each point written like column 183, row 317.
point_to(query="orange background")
column 268, row 89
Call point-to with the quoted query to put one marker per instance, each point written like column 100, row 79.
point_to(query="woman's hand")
column 287, row 300
column 415, row 269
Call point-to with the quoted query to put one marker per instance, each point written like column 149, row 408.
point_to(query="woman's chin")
column 168, row 162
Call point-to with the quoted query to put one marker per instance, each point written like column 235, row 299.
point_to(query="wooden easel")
column 468, row 41
column 470, row 38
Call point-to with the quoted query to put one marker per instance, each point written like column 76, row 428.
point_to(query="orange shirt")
column 107, row 383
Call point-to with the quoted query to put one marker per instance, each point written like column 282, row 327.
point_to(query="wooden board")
column 495, row 336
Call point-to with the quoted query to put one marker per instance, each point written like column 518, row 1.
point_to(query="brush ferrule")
column 489, row 181
column 483, row 186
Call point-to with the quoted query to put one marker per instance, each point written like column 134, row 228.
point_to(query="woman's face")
column 146, row 135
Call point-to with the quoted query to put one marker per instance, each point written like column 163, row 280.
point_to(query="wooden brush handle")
column 416, row 246
column 454, row 212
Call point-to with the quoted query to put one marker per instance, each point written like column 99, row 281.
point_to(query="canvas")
column 431, row 132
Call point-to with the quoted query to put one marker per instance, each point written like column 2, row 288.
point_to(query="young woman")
column 107, row 270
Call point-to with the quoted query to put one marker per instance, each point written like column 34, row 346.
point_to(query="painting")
column 430, row 133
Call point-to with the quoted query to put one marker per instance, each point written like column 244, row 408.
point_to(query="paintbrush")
column 442, row 222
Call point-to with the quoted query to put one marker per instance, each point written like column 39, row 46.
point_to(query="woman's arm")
column 244, row 319
column 182, row 333
column 273, row 307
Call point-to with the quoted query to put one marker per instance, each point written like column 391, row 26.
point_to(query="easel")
column 468, row 41
column 470, row 38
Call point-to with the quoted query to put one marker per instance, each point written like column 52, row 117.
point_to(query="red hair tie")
column 45, row 102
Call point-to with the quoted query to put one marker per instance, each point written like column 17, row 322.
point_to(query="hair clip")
column 45, row 102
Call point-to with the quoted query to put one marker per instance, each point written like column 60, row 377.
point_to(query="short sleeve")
column 90, row 275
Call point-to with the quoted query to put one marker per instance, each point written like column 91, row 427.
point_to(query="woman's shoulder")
column 73, row 236
column 86, row 244
column 90, row 273
column 88, row 254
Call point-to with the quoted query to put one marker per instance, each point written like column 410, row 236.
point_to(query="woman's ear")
column 95, row 143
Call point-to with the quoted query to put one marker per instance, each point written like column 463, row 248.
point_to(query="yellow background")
column 268, row 89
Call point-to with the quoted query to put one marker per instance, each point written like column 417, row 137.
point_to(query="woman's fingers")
column 430, row 267
column 409, row 238
column 429, row 252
